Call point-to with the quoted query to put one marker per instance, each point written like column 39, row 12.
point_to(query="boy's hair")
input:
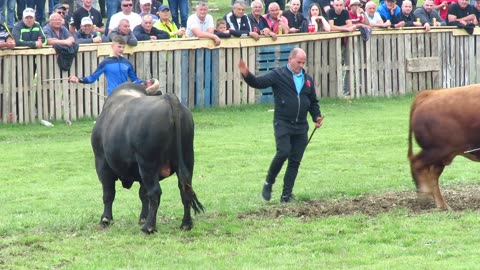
column 221, row 21
column 119, row 39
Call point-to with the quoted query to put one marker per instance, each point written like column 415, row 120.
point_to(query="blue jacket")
column 290, row 106
column 117, row 71
column 385, row 13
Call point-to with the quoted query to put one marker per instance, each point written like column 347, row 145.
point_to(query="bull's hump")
column 130, row 93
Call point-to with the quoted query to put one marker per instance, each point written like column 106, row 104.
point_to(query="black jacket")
column 237, row 30
column 289, row 105
column 140, row 33
column 25, row 36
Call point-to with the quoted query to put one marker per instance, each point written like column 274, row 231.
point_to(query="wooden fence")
column 391, row 62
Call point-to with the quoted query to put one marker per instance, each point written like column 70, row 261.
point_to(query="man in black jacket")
column 28, row 32
column 294, row 97
column 238, row 22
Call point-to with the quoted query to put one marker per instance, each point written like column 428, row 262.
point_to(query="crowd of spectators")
column 136, row 20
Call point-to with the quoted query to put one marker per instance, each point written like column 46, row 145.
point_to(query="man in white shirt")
column 201, row 24
column 126, row 13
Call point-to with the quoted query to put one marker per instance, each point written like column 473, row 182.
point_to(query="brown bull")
column 445, row 123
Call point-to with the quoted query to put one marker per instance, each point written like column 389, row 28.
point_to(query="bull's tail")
column 183, row 174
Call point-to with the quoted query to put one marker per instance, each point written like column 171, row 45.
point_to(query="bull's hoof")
column 186, row 226
column 142, row 221
column 105, row 222
column 149, row 230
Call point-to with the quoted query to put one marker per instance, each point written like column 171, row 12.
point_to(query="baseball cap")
column 391, row 0
column 354, row 2
column 163, row 7
column 143, row 2
column 86, row 20
column 57, row 6
column 28, row 12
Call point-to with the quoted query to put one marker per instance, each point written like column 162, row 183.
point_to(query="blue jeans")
column 306, row 6
column 21, row 4
column 39, row 6
column 175, row 5
column 113, row 6
column 10, row 4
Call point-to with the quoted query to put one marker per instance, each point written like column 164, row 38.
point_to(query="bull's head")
column 153, row 87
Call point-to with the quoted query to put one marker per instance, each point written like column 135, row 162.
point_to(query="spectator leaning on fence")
column 86, row 34
column 316, row 18
column 295, row 18
column 87, row 10
column 238, row 23
column 201, row 24
column 124, row 31
column 146, row 31
column 258, row 21
column 28, row 32
column 405, row 18
column 56, row 32
column 221, row 29
column 6, row 39
column 462, row 15
column 374, row 17
column 388, row 9
column 357, row 14
column 428, row 15
column 117, row 68
column 276, row 22
column 339, row 19
column 164, row 23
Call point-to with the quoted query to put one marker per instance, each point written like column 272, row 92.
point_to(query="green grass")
column 51, row 199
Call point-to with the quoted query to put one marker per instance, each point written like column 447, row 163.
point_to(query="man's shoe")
column 267, row 191
column 287, row 198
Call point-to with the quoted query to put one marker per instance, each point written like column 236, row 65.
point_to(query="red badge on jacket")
column 308, row 83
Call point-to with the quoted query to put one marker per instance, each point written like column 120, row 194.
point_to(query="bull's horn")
column 152, row 86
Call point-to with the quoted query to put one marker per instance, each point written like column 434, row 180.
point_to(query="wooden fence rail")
column 391, row 62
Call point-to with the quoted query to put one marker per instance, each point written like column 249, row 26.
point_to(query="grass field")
column 51, row 200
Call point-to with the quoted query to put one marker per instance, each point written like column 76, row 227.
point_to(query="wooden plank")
column 208, row 78
column 243, row 85
column 415, row 53
column 214, row 77
column 185, row 66
column 401, row 65
column 228, row 68
column 160, row 72
column 377, row 58
column 176, row 77
column 236, row 80
column 191, row 78
column 199, row 78
column 251, row 66
column 423, row 64
column 222, row 77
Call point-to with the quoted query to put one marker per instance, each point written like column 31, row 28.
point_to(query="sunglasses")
column 61, row 13
column 128, row 5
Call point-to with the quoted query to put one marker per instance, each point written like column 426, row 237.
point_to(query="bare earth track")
column 459, row 197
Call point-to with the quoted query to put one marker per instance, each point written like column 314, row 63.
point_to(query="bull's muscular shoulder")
column 462, row 100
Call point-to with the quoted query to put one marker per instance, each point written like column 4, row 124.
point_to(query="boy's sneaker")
column 267, row 191
column 287, row 198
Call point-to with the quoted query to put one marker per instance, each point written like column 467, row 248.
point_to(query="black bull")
column 137, row 135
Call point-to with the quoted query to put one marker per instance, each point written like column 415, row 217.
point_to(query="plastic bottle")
column 46, row 123
column 99, row 34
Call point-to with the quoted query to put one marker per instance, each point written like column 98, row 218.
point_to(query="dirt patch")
column 459, row 197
